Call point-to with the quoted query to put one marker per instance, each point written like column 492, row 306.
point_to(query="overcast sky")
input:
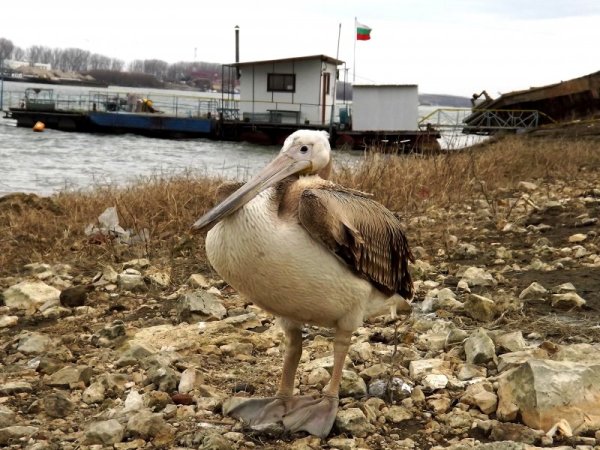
column 445, row 46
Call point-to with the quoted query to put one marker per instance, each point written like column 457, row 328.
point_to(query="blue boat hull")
column 151, row 124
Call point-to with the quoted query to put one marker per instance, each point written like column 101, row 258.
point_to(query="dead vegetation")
column 52, row 229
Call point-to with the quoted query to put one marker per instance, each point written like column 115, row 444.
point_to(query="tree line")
column 84, row 61
column 147, row 72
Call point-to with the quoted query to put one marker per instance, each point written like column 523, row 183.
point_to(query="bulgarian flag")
column 363, row 32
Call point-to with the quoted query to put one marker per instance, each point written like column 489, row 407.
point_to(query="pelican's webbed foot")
column 304, row 413
column 257, row 412
column 314, row 415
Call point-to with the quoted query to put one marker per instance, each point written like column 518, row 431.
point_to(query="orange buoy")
column 39, row 126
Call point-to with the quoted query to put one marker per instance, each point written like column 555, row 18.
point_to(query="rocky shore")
column 500, row 351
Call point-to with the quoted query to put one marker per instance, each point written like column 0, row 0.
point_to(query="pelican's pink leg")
column 318, row 415
column 265, row 411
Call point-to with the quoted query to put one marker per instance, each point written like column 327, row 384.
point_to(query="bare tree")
column 40, row 54
column 117, row 64
column 18, row 54
column 156, row 67
column 74, row 59
column 6, row 49
column 99, row 62
column 136, row 65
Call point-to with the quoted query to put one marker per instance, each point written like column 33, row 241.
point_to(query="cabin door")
column 326, row 77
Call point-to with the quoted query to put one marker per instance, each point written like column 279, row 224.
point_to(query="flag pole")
column 354, row 63
column 337, row 57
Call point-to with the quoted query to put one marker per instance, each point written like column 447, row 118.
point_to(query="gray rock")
column 8, row 321
column 511, row 342
column 110, row 335
column 511, row 360
column 146, row 424
column 337, row 443
column 106, row 432
column 190, row 379
column 546, row 392
column 94, row 393
column 480, row 308
column 470, row 371
column 318, row 377
column 158, row 278
column 57, row 404
column 30, row 296
column 375, row 371
column 109, row 274
column 156, row 400
column 7, row 416
column 397, row 389
column 15, row 387
column 434, row 381
column 479, row 348
column 354, row 422
column 70, row 376
column 55, row 312
column 361, row 352
column 165, row 378
column 421, row 367
column 214, row 441
column 475, row 276
column 138, row 264
column 482, row 396
column 133, row 402
column 466, row 249
column 131, row 280
column 527, row 186
column 197, row 280
column 568, row 300
column 397, row 414
column 200, row 306
column 15, row 432
column 535, row 291
column 134, row 353
column 35, row 343
column 515, row 432
column 352, row 385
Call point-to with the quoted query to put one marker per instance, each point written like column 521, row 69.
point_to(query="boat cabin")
column 287, row 91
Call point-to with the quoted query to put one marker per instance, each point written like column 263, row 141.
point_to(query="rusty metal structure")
column 574, row 99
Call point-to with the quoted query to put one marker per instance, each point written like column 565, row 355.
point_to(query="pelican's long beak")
column 280, row 168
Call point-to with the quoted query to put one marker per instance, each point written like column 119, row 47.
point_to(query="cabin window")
column 281, row 82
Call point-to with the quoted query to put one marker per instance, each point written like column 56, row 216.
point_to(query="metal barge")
column 574, row 99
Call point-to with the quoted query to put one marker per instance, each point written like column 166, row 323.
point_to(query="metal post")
column 237, row 54
column 335, row 85
column 2, row 86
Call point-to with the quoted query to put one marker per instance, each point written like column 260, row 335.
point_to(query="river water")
column 52, row 161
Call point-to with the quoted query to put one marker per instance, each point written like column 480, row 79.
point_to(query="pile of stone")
column 129, row 359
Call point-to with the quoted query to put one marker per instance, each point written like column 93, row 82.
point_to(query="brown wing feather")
column 365, row 234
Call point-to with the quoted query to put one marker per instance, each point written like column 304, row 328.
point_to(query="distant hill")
column 444, row 100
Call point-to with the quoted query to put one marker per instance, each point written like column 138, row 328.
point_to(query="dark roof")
column 325, row 58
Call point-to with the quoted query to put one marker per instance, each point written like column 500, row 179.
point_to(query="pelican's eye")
column 303, row 149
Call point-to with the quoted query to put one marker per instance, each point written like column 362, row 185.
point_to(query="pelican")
column 310, row 252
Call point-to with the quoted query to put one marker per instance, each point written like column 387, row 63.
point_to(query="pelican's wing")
column 365, row 234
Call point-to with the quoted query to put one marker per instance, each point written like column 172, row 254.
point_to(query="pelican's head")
column 304, row 152
column 312, row 146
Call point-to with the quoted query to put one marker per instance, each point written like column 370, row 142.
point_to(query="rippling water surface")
column 48, row 162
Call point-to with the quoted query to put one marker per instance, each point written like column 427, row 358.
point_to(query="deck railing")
column 190, row 106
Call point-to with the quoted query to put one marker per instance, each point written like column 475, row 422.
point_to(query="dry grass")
column 410, row 184
column 52, row 229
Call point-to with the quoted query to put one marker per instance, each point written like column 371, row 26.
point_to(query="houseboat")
column 276, row 97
